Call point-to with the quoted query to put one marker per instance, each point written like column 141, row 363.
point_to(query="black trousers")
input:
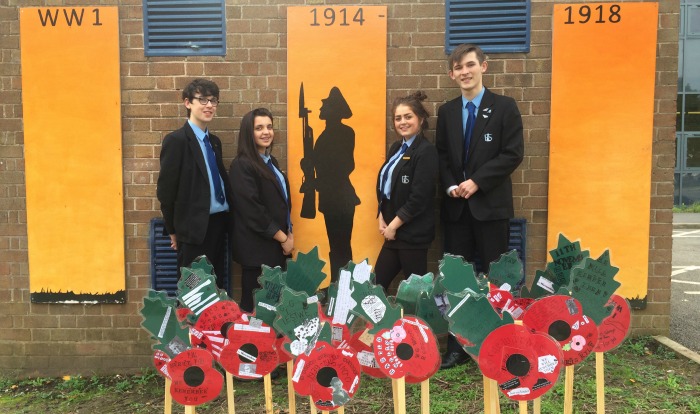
column 393, row 260
column 468, row 237
column 213, row 246
column 249, row 282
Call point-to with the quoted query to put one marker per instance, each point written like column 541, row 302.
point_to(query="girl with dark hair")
column 405, row 191
column 262, row 230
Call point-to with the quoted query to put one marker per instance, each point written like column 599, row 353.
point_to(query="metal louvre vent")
column 496, row 26
column 184, row 28
column 164, row 272
column 517, row 240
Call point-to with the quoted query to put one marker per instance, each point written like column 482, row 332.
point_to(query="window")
column 184, row 27
column 687, row 171
column 497, row 26
column 693, row 26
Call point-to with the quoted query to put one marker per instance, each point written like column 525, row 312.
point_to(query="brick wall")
column 67, row 339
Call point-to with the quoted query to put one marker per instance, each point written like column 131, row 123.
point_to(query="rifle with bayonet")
column 308, row 186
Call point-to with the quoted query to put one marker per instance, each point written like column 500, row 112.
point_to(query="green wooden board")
column 340, row 300
column 297, row 319
column 508, row 269
column 473, row 319
column 374, row 306
column 197, row 290
column 266, row 298
column 160, row 320
column 305, row 273
column 592, row 284
column 565, row 256
column 457, row 275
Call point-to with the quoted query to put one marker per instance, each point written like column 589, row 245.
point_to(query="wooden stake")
column 229, row 393
column 313, row 407
column 168, row 403
column 522, row 405
column 487, row 396
column 341, row 410
column 569, row 390
column 536, row 405
column 495, row 397
column 401, row 395
column 394, row 395
column 600, row 381
column 268, row 393
column 425, row 397
column 189, row 409
column 291, row 395
column 492, row 404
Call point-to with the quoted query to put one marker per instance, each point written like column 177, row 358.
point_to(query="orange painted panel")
column 341, row 47
column 73, row 159
column 603, row 76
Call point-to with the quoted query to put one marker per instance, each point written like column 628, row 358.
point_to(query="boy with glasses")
column 193, row 187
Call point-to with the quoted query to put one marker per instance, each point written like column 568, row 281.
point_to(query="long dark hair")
column 246, row 141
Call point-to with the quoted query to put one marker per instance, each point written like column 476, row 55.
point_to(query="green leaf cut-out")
column 266, row 298
column 472, row 318
column 374, row 306
column 297, row 319
column 305, row 273
column 160, row 320
column 508, row 269
column 592, row 283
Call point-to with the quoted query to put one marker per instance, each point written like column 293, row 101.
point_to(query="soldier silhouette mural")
column 327, row 166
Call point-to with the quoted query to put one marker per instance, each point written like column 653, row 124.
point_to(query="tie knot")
column 471, row 107
column 404, row 147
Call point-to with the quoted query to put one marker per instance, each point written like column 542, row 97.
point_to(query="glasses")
column 205, row 101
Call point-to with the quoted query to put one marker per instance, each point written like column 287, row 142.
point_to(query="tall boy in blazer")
column 475, row 167
column 193, row 187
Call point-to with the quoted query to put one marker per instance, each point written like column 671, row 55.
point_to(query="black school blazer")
column 412, row 191
column 259, row 211
column 495, row 151
column 183, row 184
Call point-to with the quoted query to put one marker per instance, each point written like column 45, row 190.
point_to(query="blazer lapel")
column 482, row 119
column 196, row 150
column 456, row 130
column 403, row 159
column 278, row 185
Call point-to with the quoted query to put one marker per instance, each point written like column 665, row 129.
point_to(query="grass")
column 692, row 208
column 641, row 375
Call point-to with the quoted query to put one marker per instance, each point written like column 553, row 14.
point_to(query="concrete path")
column 685, row 287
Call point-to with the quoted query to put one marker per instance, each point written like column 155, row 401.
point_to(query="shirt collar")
column 476, row 101
column 265, row 157
column 198, row 131
column 408, row 142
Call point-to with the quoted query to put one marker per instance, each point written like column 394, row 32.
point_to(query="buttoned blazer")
column 183, row 184
column 413, row 184
column 259, row 211
column 495, row 151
